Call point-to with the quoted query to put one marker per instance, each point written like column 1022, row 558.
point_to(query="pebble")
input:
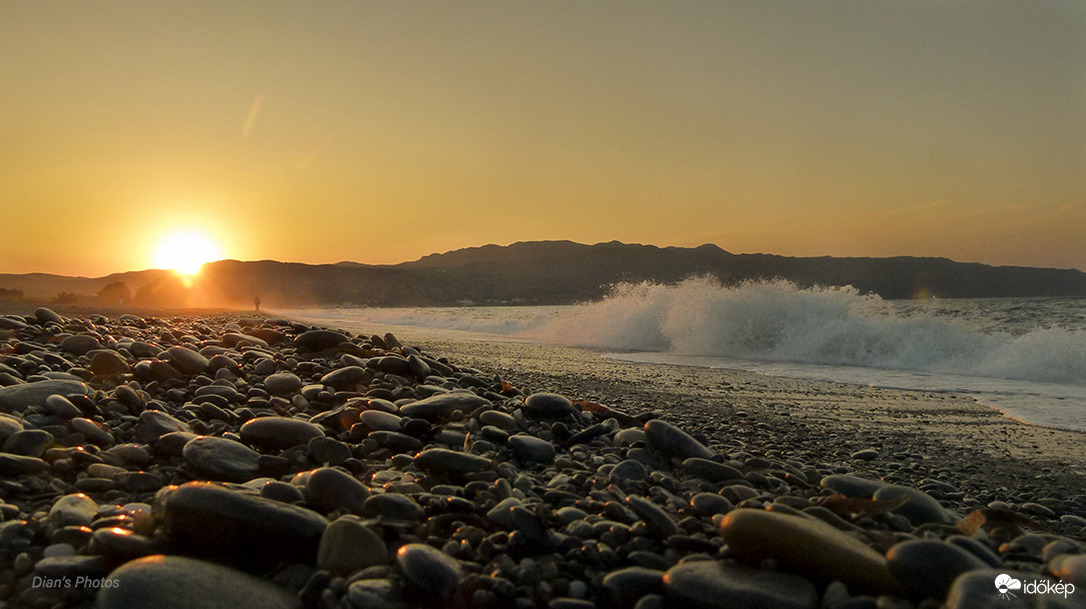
column 282, row 383
column 16, row 398
column 73, row 510
column 809, row 546
column 443, row 460
column 319, row 340
column 851, row 486
column 79, row 344
column 347, row 545
column 28, row 442
column 927, row 568
column 176, row 582
column 673, row 441
column 443, row 405
column 106, row 362
column 186, row 360
column 381, row 421
column 531, row 448
column 209, row 520
column 549, row 405
column 707, row 584
column 428, row 569
column 221, row 458
column 279, row 432
column 96, row 432
column 329, row 488
column 919, row 509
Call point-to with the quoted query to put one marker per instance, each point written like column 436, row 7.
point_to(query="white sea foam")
column 779, row 322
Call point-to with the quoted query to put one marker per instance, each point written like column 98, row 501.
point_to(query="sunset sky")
column 381, row 132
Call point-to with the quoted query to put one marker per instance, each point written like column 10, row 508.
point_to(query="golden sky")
column 380, row 132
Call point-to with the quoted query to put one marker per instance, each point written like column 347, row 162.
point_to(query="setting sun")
column 185, row 252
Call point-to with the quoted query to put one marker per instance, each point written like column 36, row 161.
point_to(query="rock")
column 329, row 489
column 73, row 510
column 15, row 398
column 852, row 486
column 653, row 515
column 378, row 420
column 867, row 454
column 345, row 379
column 393, row 509
column 46, row 315
column 428, row 569
column 443, row 460
column 628, row 472
column 1070, row 568
column 707, row 504
column 282, row 383
column 176, row 582
column 443, row 405
column 95, row 432
column 60, row 406
column 347, row 546
column 498, row 419
column 377, row 593
column 186, row 361
column 531, row 448
column 18, row 465
column 221, row 458
column 549, row 406
column 79, row 344
column 671, row 440
column 707, row 584
column 9, row 425
column 319, row 340
column 809, row 546
column 153, row 424
column 625, row 586
column 710, row 470
column 209, row 520
column 28, row 442
column 927, row 568
column 279, row 432
column 920, row 508
column 105, row 362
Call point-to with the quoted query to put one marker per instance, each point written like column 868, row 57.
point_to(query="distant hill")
column 543, row 272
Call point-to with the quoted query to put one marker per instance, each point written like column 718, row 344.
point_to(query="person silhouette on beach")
column 256, row 301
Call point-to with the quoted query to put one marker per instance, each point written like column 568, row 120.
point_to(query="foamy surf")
column 1026, row 357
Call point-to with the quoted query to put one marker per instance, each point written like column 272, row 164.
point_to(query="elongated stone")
column 15, row 398
column 221, row 459
column 176, row 582
column 673, row 441
column 707, row 584
column 443, row 405
column 279, row 432
column 347, row 545
column 209, row 520
column 443, row 460
column 809, row 546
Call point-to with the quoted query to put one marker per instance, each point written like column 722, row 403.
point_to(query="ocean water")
column 1023, row 356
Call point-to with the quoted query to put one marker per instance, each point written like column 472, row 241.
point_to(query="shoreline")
column 945, row 429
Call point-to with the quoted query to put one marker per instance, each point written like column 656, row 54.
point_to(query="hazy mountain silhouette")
column 549, row 272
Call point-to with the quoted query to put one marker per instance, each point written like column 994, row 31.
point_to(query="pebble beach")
column 247, row 461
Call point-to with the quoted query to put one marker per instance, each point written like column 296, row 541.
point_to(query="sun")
column 185, row 252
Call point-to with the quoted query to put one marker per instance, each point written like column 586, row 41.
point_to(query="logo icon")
column 1005, row 583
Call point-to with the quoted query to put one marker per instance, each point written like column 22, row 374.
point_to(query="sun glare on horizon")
column 185, row 252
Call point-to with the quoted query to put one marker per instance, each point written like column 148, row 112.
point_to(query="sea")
column 1023, row 356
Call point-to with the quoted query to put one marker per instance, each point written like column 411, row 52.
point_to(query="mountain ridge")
column 542, row 272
